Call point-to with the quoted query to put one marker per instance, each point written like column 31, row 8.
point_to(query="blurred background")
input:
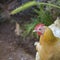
column 16, row 36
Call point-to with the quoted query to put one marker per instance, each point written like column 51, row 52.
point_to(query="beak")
column 34, row 31
column 38, row 32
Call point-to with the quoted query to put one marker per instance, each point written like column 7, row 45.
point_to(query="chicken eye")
column 39, row 29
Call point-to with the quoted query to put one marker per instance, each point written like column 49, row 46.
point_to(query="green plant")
column 43, row 14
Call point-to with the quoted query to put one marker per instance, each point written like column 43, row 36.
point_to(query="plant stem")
column 23, row 7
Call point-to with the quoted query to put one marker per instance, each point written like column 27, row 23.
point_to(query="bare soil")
column 13, row 47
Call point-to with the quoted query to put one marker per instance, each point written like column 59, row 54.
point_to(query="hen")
column 49, row 44
column 55, row 27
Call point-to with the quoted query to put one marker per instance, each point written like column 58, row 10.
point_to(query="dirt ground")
column 10, row 48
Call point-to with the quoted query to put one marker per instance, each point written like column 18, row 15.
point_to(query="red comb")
column 38, row 25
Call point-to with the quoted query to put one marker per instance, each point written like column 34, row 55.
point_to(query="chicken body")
column 55, row 27
column 49, row 52
column 50, row 46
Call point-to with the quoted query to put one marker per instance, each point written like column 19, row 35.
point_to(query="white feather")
column 55, row 27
